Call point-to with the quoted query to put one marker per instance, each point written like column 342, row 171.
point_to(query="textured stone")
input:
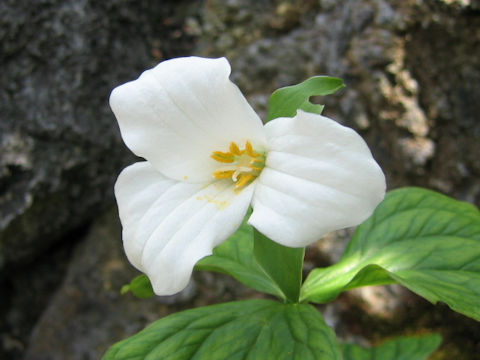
column 407, row 94
column 87, row 314
column 61, row 148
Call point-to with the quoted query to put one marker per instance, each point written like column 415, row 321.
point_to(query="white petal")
column 320, row 176
column 176, row 114
column 168, row 226
column 138, row 186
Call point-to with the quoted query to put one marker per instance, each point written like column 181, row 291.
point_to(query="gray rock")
column 412, row 81
column 87, row 314
column 61, row 149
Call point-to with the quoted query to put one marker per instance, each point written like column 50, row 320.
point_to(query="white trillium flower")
column 209, row 157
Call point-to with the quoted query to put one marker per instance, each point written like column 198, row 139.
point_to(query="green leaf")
column 426, row 241
column 140, row 287
column 282, row 264
column 235, row 258
column 253, row 329
column 401, row 348
column 286, row 101
column 261, row 264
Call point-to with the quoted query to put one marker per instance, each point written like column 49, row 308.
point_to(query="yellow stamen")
column 234, row 149
column 244, row 165
column 249, row 148
column 256, row 168
column 223, row 157
column 244, row 180
column 222, row 174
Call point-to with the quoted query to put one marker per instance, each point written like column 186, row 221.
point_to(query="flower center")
column 244, row 165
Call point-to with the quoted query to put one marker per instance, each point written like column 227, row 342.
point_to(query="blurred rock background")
column 412, row 68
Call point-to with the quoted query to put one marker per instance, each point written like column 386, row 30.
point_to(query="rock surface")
column 87, row 314
column 412, row 75
column 61, row 149
column 412, row 82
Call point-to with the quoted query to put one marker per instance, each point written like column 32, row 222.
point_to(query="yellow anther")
column 249, row 148
column 244, row 180
column 223, row 157
column 234, row 149
column 256, row 168
column 222, row 174
column 243, row 165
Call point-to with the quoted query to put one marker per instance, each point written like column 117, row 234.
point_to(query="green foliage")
column 401, row 348
column 286, row 101
column 140, row 287
column 423, row 240
column 258, row 262
column 282, row 264
column 235, row 258
column 254, row 329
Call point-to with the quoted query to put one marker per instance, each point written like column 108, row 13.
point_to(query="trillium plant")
column 220, row 190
